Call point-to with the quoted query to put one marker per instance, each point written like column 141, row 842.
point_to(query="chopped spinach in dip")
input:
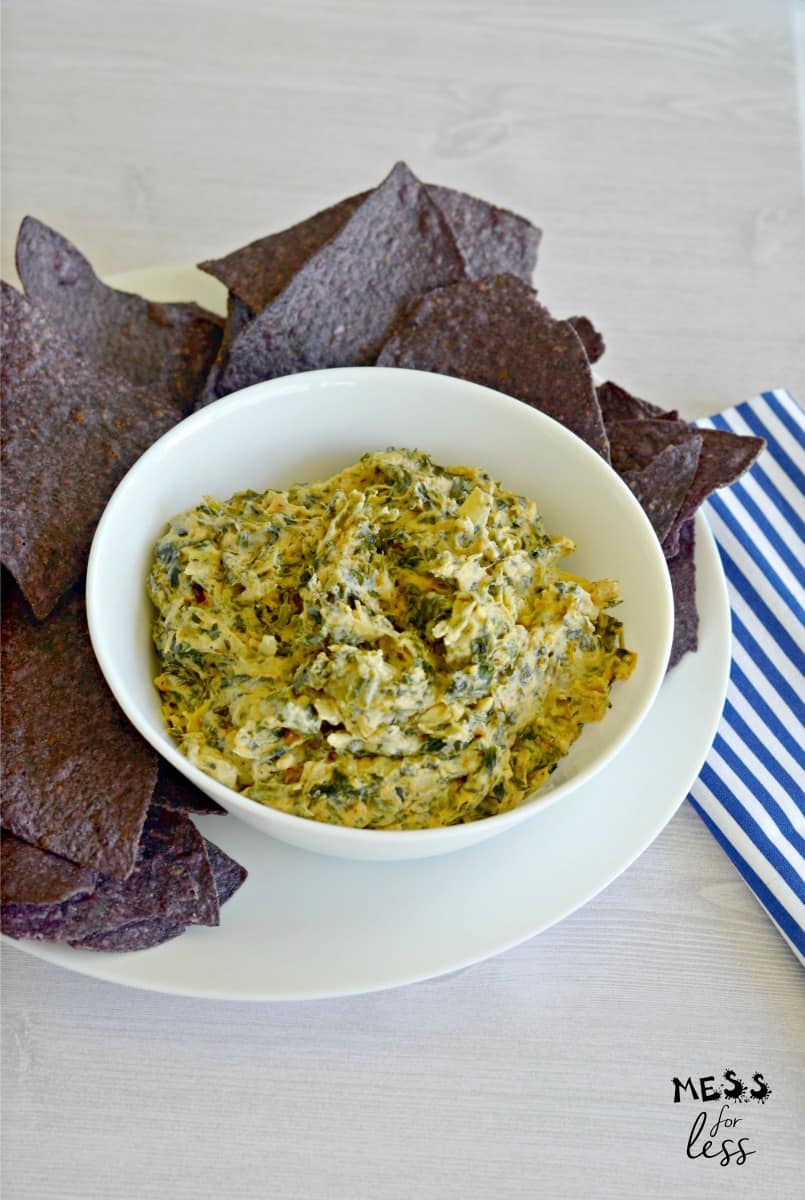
column 392, row 648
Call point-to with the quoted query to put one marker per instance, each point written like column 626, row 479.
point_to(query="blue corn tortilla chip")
column 635, row 444
column 229, row 875
column 672, row 467
column 639, row 432
column 78, row 778
column 167, row 348
column 724, row 458
column 682, row 569
column 172, row 881
column 139, row 935
column 663, row 483
column 619, row 405
column 174, row 790
column 256, row 274
column 238, row 316
column 495, row 332
column 35, row 885
column 32, row 876
column 340, row 306
column 491, row 241
column 69, row 432
column 590, row 338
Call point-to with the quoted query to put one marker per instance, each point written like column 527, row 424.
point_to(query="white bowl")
column 308, row 426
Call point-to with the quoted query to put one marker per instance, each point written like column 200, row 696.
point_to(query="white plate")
column 305, row 926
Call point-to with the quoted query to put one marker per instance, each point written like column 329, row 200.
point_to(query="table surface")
column 658, row 145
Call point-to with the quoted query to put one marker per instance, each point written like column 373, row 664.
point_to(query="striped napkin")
column 750, row 793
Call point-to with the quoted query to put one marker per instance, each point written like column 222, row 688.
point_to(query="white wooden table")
column 658, row 146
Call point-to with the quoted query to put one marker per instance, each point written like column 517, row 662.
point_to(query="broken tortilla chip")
column 590, row 338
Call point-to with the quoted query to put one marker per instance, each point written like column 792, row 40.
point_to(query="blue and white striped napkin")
column 750, row 793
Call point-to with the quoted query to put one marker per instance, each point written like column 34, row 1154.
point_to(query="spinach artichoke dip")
column 391, row 648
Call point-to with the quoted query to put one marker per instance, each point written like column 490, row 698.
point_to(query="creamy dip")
column 394, row 647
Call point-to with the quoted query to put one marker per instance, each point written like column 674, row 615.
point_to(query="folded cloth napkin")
column 751, row 790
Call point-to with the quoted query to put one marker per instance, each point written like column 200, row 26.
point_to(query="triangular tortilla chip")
column 70, row 431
